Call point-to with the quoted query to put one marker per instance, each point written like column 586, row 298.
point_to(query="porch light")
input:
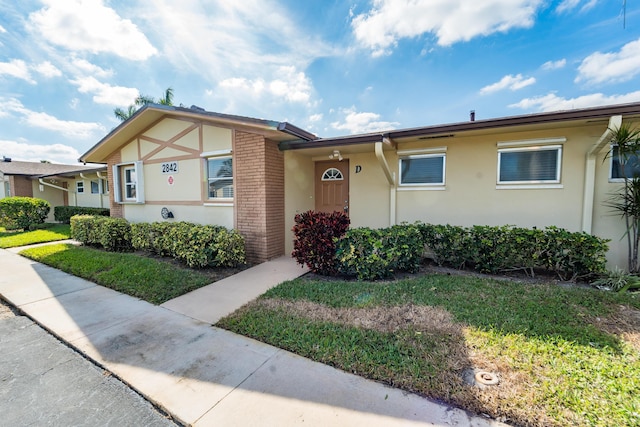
column 336, row 155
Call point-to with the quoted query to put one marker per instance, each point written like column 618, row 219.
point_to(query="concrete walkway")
column 203, row 375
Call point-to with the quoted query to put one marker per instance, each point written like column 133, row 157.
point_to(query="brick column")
column 259, row 195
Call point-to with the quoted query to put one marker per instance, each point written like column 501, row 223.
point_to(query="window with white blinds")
column 530, row 165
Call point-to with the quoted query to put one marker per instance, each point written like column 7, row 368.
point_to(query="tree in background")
column 142, row 100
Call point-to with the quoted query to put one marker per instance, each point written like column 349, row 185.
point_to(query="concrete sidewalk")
column 202, row 375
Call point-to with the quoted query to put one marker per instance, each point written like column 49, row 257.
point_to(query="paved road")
column 45, row 383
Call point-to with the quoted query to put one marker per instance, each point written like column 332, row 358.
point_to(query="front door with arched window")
column 332, row 186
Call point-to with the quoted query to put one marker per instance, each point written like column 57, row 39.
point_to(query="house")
column 60, row 185
column 254, row 175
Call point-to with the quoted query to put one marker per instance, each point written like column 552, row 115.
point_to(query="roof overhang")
column 538, row 121
column 150, row 114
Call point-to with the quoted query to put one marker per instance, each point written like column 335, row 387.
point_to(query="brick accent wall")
column 116, row 209
column 20, row 186
column 259, row 195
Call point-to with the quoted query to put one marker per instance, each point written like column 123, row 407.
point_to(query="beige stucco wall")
column 218, row 215
column 185, row 194
column 186, row 184
column 54, row 196
column 470, row 195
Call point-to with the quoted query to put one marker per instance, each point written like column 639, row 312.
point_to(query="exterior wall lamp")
column 336, row 155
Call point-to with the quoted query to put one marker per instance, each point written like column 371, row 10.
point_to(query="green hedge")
column 64, row 213
column 375, row 254
column 111, row 234
column 195, row 245
column 491, row 249
column 370, row 254
column 23, row 212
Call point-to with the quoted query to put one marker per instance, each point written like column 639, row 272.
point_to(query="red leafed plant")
column 314, row 243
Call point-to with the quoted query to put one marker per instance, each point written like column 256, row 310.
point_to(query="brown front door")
column 332, row 186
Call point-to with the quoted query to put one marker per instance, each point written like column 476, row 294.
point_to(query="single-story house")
column 255, row 175
column 59, row 184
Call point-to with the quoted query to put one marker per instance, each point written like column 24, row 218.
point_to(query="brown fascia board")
column 529, row 119
column 292, row 130
column 198, row 112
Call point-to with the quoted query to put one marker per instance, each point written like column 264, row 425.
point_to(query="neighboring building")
column 60, row 185
column 255, row 175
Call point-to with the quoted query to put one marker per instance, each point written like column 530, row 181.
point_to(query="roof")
column 152, row 113
column 577, row 116
column 38, row 169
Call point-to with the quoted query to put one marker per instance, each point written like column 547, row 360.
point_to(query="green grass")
column 558, row 365
column 12, row 239
column 145, row 278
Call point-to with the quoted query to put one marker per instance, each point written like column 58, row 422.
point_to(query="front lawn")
column 152, row 280
column 564, row 355
column 12, row 239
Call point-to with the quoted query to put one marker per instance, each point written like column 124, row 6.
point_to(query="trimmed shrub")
column 314, row 240
column 376, row 254
column 23, row 212
column 195, row 245
column 64, row 213
column 84, row 229
column 491, row 249
column 114, row 234
column 229, row 249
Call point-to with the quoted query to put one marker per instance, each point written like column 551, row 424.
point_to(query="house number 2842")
column 170, row 167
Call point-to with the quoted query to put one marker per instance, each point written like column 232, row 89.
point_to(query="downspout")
column 590, row 173
column 48, row 184
column 391, row 178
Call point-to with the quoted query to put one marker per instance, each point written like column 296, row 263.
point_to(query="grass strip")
column 12, row 239
column 558, row 364
column 145, row 278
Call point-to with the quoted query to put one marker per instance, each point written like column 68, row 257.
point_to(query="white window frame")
column 421, row 154
column 611, row 178
column 530, row 183
column 80, row 187
column 119, row 184
column 105, row 186
column 223, row 154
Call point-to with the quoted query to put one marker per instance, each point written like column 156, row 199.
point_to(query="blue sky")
column 331, row 67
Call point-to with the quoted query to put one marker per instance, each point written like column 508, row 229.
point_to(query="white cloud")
column 569, row 5
column 55, row 153
column 552, row 102
column 16, row 68
column 242, row 48
column 315, row 117
column 510, row 82
column 84, row 67
column 104, row 93
column 291, row 85
column 68, row 128
column 611, row 67
column 47, row 69
column 2, row 29
column 90, row 26
column 554, row 65
column 450, row 21
column 355, row 122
